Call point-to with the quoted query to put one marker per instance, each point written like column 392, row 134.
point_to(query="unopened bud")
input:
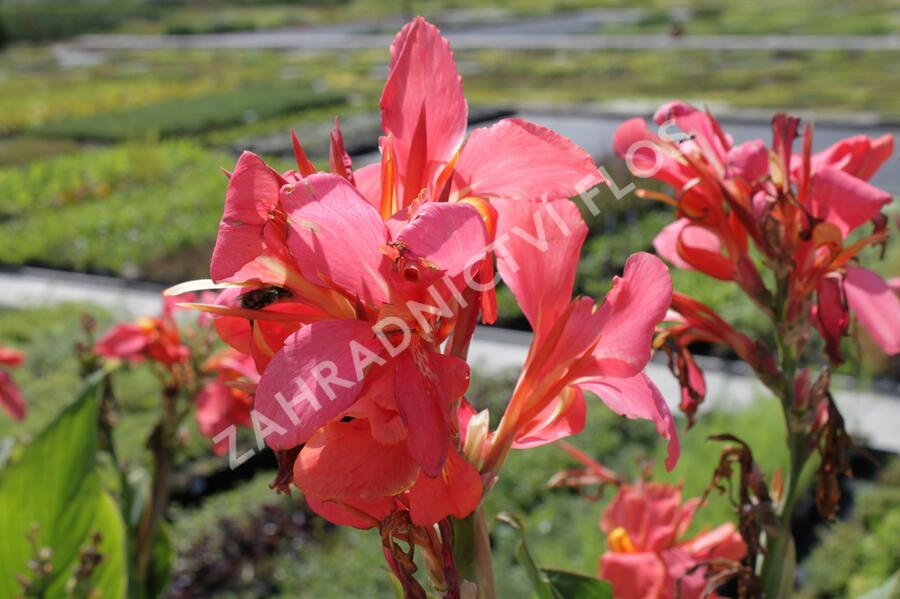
column 477, row 433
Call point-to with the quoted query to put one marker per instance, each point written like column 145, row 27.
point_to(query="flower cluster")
column 789, row 228
column 221, row 386
column 803, row 215
column 356, row 292
column 10, row 396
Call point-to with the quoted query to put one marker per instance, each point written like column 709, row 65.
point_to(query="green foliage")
column 572, row 585
column 825, row 81
column 108, row 218
column 52, row 493
column 36, row 89
column 43, row 21
column 858, row 555
column 191, row 116
column 770, row 16
column 551, row 583
column 22, row 150
column 92, row 176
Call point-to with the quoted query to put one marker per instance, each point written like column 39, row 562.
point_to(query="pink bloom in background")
column 227, row 399
column 10, row 396
column 647, row 555
column 807, row 212
column 147, row 338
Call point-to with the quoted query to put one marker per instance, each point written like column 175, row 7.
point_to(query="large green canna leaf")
column 55, row 484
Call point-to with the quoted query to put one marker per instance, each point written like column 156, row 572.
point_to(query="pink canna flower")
column 647, row 556
column 147, row 338
column 801, row 210
column 425, row 157
column 356, row 293
column 10, row 396
column 578, row 346
column 832, row 186
column 227, row 399
column 425, row 151
column 375, row 380
column 714, row 184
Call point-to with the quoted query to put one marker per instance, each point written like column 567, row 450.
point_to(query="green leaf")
column 889, row 590
column 551, row 583
column 55, row 485
column 572, row 585
column 539, row 580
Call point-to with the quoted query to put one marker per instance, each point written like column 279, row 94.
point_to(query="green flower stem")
column 472, row 552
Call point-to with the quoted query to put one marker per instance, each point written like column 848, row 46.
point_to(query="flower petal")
column 537, row 246
column 563, row 417
column 876, row 306
column 343, row 461
column 703, row 128
column 722, row 542
column 450, row 237
column 750, row 161
column 629, row 314
column 860, row 155
column 314, row 377
column 252, row 192
column 335, row 235
column 11, row 398
column 516, row 159
column 831, row 317
column 355, row 512
column 125, row 341
column 11, row 357
column 219, row 407
column 424, row 408
column 638, row 397
column 701, row 248
column 368, row 182
column 423, row 109
column 634, row 575
column 844, row 200
column 649, row 156
column 455, row 492
column 650, row 514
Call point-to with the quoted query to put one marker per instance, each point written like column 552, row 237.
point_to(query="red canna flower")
column 835, row 201
column 10, row 396
column 647, row 556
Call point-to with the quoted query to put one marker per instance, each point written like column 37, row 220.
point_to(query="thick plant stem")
column 162, row 443
column 779, row 560
column 472, row 552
